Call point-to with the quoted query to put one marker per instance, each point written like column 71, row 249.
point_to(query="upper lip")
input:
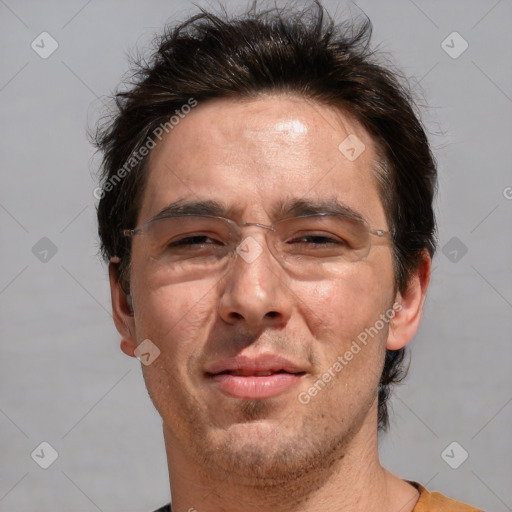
column 252, row 365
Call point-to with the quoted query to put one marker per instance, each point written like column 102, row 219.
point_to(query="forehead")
column 254, row 154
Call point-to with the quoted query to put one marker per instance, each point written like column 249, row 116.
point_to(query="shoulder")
column 436, row 502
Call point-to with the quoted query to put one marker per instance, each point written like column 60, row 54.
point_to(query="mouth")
column 254, row 376
column 252, row 385
column 252, row 373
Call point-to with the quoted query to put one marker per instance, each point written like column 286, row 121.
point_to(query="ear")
column 122, row 311
column 409, row 306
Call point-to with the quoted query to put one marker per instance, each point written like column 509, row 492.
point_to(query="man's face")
column 252, row 156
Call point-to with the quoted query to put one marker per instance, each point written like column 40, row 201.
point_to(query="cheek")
column 342, row 308
column 341, row 316
column 349, row 355
column 174, row 317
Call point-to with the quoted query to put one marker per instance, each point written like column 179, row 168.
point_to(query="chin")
column 269, row 452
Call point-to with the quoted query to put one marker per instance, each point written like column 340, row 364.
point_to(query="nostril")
column 272, row 314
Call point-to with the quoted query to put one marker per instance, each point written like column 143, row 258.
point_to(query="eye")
column 322, row 239
column 194, row 240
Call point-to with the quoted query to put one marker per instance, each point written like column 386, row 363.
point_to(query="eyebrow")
column 282, row 210
column 301, row 207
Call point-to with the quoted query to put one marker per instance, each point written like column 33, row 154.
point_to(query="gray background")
column 64, row 379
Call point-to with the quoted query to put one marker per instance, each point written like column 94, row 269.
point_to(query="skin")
column 227, row 454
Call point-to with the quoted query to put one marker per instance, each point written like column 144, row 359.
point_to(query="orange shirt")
column 436, row 502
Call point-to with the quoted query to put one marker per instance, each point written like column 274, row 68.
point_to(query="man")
column 266, row 208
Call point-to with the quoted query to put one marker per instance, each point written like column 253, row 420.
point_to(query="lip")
column 261, row 363
column 255, row 387
column 248, row 378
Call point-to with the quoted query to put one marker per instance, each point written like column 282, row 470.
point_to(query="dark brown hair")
column 277, row 50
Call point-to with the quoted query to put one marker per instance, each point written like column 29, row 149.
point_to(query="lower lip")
column 252, row 387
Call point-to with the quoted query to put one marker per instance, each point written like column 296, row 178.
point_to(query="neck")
column 351, row 480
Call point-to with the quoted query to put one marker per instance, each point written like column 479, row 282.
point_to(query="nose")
column 255, row 289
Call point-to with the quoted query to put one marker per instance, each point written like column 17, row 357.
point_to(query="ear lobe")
column 122, row 311
column 409, row 306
